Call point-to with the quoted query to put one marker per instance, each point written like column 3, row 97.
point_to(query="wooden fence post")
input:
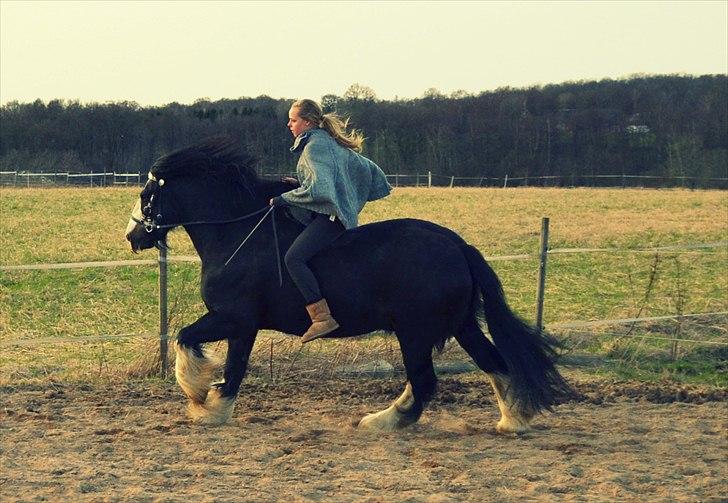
column 163, row 321
column 505, row 181
column 452, row 181
column 429, row 179
column 542, row 272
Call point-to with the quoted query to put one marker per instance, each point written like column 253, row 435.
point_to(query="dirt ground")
column 295, row 441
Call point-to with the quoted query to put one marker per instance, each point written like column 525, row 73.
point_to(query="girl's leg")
column 317, row 236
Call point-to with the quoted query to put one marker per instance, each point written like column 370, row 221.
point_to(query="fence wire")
column 551, row 326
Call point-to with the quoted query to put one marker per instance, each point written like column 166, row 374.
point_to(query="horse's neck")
column 211, row 241
column 215, row 244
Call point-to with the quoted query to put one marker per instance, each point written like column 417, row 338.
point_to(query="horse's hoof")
column 387, row 420
column 509, row 425
column 216, row 410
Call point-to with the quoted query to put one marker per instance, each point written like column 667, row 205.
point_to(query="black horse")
column 411, row 277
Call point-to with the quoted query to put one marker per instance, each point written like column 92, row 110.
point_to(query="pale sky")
column 159, row 52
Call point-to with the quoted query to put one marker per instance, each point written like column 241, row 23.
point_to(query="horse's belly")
column 430, row 278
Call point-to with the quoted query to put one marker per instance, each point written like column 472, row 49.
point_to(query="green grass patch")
column 69, row 225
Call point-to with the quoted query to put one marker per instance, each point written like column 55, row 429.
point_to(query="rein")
column 215, row 222
column 151, row 226
column 275, row 239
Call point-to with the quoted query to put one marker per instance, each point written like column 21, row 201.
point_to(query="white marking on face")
column 135, row 213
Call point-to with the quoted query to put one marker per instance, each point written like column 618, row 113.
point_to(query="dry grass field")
column 71, row 225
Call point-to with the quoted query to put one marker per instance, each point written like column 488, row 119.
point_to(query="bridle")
column 151, row 223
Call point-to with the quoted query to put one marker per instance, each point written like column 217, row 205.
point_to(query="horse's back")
column 398, row 240
column 405, row 266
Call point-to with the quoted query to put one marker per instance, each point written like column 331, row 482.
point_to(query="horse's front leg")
column 194, row 369
column 220, row 401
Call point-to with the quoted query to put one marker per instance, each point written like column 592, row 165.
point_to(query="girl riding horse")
column 335, row 183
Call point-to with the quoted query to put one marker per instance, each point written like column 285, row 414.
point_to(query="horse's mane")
column 218, row 155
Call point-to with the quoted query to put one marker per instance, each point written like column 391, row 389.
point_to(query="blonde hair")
column 333, row 124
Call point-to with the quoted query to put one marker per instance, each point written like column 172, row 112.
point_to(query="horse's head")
column 210, row 181
column 145, row 225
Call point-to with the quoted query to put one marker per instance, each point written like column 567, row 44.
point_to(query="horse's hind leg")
column 220, row 400
column 420, row 388
column 486, row 356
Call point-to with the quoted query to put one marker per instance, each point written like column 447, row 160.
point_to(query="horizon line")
column 628, row 77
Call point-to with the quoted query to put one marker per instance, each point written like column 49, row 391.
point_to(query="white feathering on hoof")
column 215, row 411
column 390, row 418
column 512, row 420
column 194, row 374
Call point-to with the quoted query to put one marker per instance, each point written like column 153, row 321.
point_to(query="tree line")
column 668, row 125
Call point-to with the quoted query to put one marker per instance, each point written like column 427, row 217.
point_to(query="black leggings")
column 319, row 234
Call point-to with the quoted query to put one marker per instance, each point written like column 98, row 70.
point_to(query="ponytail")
column 331, row 123
column 336, row 127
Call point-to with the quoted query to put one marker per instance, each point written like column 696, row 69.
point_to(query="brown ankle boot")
column 322, row 321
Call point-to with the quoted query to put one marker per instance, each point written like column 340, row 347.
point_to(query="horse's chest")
column 225, row 289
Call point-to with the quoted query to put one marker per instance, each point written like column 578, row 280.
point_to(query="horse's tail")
column 529, row 353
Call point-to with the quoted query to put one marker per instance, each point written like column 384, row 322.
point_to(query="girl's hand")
column 278, row 201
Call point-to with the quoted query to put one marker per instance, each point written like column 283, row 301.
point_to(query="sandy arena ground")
column 294, row 441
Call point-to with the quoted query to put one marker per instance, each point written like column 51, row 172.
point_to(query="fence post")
column 452, row 180
column 429, row 179
column 542, row 271
column 505, row 182
column 163, row 328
